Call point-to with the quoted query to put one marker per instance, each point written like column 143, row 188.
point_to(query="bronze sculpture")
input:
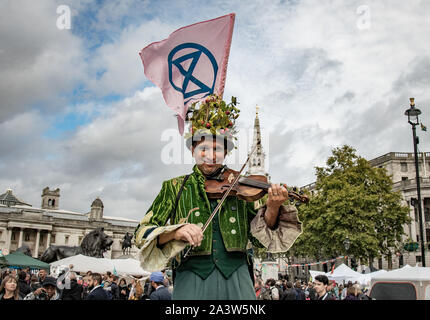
column 94, row 244
column 126, row 243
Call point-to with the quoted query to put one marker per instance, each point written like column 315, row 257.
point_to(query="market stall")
column 21, row 260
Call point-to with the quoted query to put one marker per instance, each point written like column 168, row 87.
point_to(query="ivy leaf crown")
column 213, row 115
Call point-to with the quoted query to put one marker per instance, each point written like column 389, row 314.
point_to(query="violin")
column 249, row 188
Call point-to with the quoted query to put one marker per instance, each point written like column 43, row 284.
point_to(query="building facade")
column 38, row 228
column 401, row 167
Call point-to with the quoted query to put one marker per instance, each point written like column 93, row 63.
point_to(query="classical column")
column 8, row 238
column 36, row 249
column 48, row 239
column 21, row 231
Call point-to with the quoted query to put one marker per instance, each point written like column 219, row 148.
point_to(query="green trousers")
column 189, row 286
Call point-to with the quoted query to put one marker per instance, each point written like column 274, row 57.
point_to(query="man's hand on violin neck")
column 276, row 196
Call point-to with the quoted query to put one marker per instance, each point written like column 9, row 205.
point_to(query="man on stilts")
column 212, row 263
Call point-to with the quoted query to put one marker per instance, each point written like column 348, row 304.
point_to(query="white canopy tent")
column 343, row 273
column 367, row 277
column 315, row 273
column 407, row 283
column 82, row 263
column 407, row 273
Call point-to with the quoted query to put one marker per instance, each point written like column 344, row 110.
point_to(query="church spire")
column 256, row 162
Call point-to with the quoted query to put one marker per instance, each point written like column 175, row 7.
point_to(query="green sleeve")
column 157, row 215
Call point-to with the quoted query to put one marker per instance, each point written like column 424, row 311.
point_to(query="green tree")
column 354, row 200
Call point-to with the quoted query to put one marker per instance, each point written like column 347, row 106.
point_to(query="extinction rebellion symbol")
column 195, row 56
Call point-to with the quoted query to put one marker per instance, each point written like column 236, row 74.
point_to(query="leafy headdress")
column 212, row 117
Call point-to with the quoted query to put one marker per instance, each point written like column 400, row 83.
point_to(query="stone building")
column 401, row 167
column 38, row 228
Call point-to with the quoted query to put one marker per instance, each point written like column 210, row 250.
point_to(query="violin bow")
column 223, row 198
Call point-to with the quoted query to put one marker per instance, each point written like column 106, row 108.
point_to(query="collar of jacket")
column 199, row 175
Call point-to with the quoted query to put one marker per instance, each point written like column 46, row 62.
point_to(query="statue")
column 94, row 244
column 126, row 243
column 25, row 250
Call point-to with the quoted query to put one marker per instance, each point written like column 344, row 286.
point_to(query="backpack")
column 267, row 294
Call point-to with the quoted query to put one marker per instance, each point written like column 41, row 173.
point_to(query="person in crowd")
column 124, row 291
column 351, row 293
column 27, row 276
column 270, row 292
column 4, row 274
column 160, row 291
column 312, row 292
column 330, row 288
column 96, row 290
column 79, row 279
column 278, row 285
column 147, row 289
column 289, row 292
column 258, row 285
column 167, row 283
column 341, row 287
column 114, row 289
column 48, row 291
column 42, row 275
column 136, row 290
column 345, row 289
column 9, row 289
column 106, row 280
column 34, row 283
column 85, row 284
column 24, row 288
column 300, row 293
column 359, row 293
column 75, row 291
column 320, row 285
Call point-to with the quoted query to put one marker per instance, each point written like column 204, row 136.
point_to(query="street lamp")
column 413, row 114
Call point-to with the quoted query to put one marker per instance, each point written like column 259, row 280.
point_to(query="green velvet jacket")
column 234, row 216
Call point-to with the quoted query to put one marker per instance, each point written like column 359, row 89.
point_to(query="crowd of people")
column 321, row 288
column 26, row 284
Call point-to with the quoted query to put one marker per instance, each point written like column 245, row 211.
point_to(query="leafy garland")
column 213, row 116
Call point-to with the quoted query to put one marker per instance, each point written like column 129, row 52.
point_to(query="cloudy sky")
column 77, row 112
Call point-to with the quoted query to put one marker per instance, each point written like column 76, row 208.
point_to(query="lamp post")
column 413, row 114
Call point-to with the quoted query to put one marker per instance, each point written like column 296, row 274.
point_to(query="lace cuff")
column 155, row 258
column 287, row 229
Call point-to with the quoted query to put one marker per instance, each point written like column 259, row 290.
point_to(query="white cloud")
column 38, row 62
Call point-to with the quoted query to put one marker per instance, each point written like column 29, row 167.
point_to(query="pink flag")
column 191, row 63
